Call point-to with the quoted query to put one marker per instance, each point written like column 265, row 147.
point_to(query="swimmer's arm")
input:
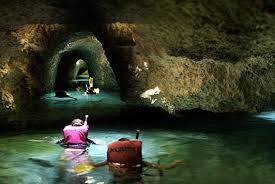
column 100, row 164
column 173, row 164
column 61, row 141
column 151, row 165
column 86, row 120
column 161, row 167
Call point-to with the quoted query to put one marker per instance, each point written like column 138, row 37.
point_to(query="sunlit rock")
column 150, row 92
column 209, row 55
column 8, row 100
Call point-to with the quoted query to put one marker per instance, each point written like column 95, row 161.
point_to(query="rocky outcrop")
column 177, row 55
column 208, row 85
column 215, row 56
column 88, row 48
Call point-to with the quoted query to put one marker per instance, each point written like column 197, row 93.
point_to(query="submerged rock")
column 41, row 162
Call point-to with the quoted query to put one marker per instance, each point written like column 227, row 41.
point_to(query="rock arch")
column 88, row 49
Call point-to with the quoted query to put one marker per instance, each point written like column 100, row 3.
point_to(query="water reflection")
column 241, row 155
column 225, row 150
column 269, row 115
column 49, row 110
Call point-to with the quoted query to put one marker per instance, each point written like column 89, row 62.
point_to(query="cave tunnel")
column 178, row 65
column 77, row 62
column 72, row 71
column 73, row 63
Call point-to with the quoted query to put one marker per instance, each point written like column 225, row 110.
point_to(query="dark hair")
column 123, row 139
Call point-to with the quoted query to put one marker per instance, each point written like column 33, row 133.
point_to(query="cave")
column 75, row 62
column 70, row 67
column 80, row 55
column 190, row 83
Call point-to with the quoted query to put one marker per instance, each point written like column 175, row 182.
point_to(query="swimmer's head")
column 77, row 122
column 123, row 139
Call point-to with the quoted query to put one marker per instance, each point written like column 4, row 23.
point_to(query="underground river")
column 227, row 149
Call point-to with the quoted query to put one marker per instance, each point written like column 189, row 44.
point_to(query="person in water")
column 124, row 159
column 76, row 143
column 76, row 134
column 90, row 89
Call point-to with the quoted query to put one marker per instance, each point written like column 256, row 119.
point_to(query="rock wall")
column 212, row 55
column 178, row 55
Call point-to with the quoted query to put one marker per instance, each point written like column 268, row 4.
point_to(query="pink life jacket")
column 75, row 135
column 125, row 153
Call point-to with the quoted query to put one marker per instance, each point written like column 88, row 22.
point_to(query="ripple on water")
column 240, row 157
column 270, row 115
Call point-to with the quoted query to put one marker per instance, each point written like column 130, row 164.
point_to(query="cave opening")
column 78, row 63
column 72, row 72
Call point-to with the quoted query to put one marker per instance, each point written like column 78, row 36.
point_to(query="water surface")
column 239, row 149
column 232, row 155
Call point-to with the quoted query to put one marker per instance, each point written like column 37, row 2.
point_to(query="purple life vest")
column 75, row 135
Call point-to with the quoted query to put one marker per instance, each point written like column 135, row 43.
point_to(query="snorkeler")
column 76, row 134
column 76, row 143
column 90, row 88
column 124, row 159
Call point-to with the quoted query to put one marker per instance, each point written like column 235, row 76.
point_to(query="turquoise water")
column 211, row 155
column 50, row 110
column 222, row 150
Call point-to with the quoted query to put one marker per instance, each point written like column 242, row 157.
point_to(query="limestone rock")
column 179, row 55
